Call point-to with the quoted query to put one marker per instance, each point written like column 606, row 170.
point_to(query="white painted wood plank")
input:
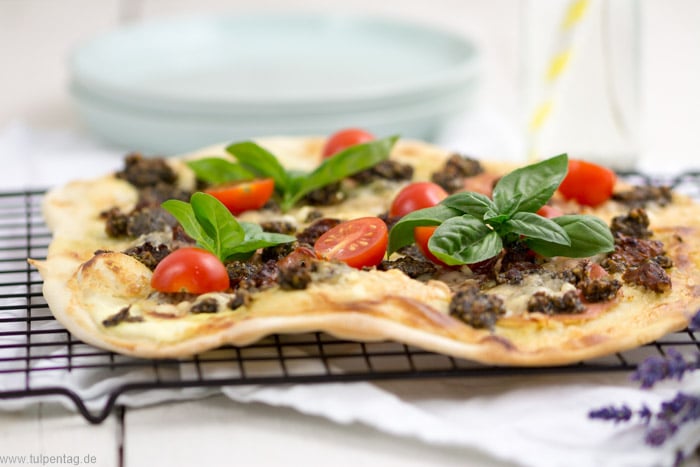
column 218, row 432
column 53, row 432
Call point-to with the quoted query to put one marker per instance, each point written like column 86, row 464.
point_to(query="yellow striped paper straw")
column 557, row 65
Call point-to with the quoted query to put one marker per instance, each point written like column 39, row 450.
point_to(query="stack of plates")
column 171, row 86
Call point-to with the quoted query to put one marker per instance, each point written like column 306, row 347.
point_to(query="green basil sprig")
column 290, row 185
column 473, row 227
column 215, row 229
column 217, row 171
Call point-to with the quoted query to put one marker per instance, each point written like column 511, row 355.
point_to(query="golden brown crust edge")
column 617, row 329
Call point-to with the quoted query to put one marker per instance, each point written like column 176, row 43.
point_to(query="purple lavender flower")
column 655, row 369
column 683, row 408
column 650, row 371
column 693, row 410
column 618, row 414
column 676, row 364
column 645, row 414
column 695, row 322
column 659, row 433
column 680, row 457
column 673, row 407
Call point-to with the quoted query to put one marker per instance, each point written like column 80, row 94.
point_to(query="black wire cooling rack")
column 38, row 357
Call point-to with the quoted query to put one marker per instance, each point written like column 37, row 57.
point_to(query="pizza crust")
column 82, row 289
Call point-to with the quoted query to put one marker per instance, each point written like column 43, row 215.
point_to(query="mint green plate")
column 256, row 71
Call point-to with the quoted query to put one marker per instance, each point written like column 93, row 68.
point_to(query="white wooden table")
column 214, row 432
column 35, row 36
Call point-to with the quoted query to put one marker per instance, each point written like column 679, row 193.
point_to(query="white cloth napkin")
column 528, row 420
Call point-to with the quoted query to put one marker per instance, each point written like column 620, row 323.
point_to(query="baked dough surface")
column 83, row 288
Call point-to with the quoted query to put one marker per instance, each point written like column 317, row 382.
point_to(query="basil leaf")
column 589, row 236
column 536, row 227
column 402, row 232
column 474, row 204
column 473, row 228
column 535, row 184
column 254, row 234
column 214, row 228
column 296, row 178
column 505, row 212
column 345, row 163
column 494, row 219
column 255, row 238
column 262, row 240
column 261, row 162
column 251, row 229
column 293, row 185
column 217, row 221
column 293, row 193
column 217, row 171
column 464, row 240
column 184, row 214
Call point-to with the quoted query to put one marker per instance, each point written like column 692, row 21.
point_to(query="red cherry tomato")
column 482, row 183
column 358, row 242
column 589, row 184
column 417, row 195
column 244, row 196
column 549, row 211
column 422, row 235
column 344, row 139
column 191, row 270
column 596, row 271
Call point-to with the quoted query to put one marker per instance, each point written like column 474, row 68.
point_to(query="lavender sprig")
column 695, row 322
column 673, row 366
column 616, row 414
column 661, row 425
column 683, row 408
column 655, row 369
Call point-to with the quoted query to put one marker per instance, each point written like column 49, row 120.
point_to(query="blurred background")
column 617, row 82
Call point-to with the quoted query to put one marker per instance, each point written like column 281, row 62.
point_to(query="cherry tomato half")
column 589, row 184
column 421, row 236
column 596, row 271
column 244, row 196
column 344, row 139
column 190, row 270
column 358, row 242
column 417, row 195
column 482, row 183
column 549, row 211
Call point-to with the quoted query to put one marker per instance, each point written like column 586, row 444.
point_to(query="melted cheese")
column 372, row 199
column 516, row 296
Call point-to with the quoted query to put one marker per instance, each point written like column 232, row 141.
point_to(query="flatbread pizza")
column 380, row 239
